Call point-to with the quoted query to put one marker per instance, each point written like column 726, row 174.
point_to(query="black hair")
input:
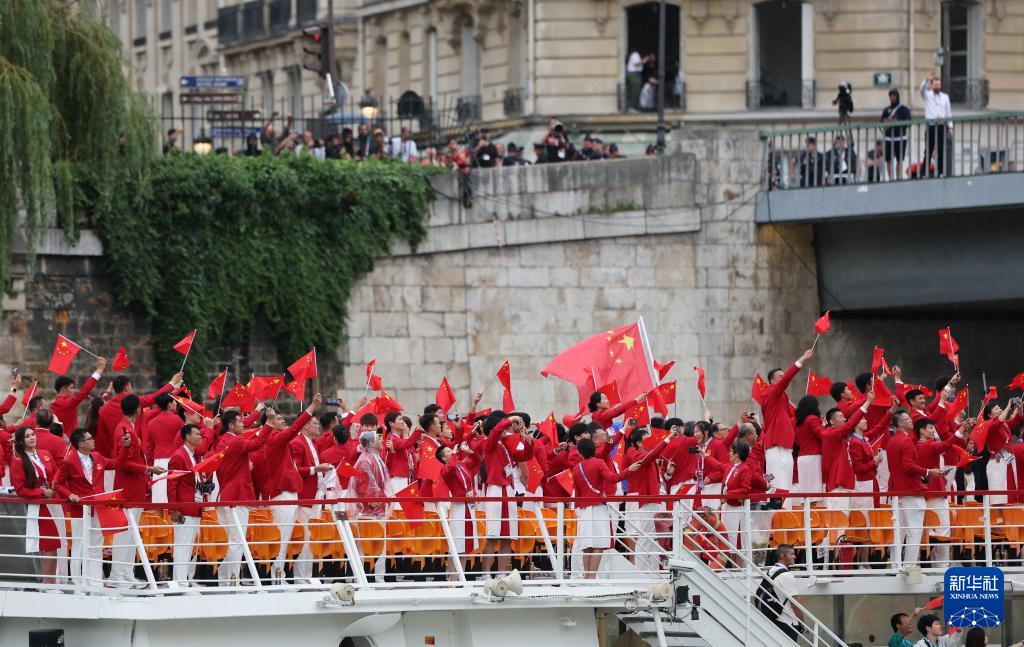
column 595, row 398
column 636, row 437
column 130, row 404
column 327, row 419
column 522, row 414
column 987, row 411
column 673, row 422
column 163, row 400
column 390, row 417
column 658, row 423
column 561, row 432
column 704, row 426
column 186, row 429
column 431, row 409
column 836, row 391
column 975, row 637
column 594, row 427
column 26, row 462
column 44, row 418
column 921, row 423
column 773, row 372
column 35, row 401
column 77, row 436
column 368, row 419
column 586, row 448
column 121, row 382
column 807, row 407
column 896, row 620
column 341, row 434
column 227, row 418
column 440, row 450
column 741, row 449
column 831, row 412
column 912, row 393
column 492, row 420
column 61, row 382
column 688, row 427
column 426, row 420
column 941, row 382
column 577, row 430
column 896, row 416
column 862, row 381
column 926, row 621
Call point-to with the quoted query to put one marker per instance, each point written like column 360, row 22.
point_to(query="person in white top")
column 936, row 107
column 404, row 147
column 790, row 618
column 634, row 79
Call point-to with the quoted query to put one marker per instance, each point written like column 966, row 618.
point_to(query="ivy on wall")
column 225, row 244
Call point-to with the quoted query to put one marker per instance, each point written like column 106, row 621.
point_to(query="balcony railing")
column 763, row 94
column 674, row 100
column 513, row 102
column 867, row 153
column 469, row 109
column 227, row 24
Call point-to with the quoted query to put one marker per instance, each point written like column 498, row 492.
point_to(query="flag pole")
column 82, row 348
column 366, row 389
column 194, row 330
column 316, row 378
column 646, row 343
column 816, row 338
column 220, row 400
column 34, row 390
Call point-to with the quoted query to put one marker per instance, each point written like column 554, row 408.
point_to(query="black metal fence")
column 221, row 122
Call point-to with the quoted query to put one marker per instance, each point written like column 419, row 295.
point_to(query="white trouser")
column 996, row 472
column 882, row 475
column 122, row 555
column 640, row 526
column 303, row 565
column 737, row 531
column 160, row 487
column 911, row 527
column 778, row 461
column 231, row 567
column 940, row 550
column 108, row 480
column 284, row 519
column 6, row 480
column 185, row 534
column 863, row 503
column 808, row 471
column 91, row 556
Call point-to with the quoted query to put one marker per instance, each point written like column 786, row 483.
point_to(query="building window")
column 305, row 11
column 471, row 86
column 227, row 25
column 961, row 40
column 140, row 20
column 166, row 15
column 782, row 74
column 642, row 39
column 254, row 24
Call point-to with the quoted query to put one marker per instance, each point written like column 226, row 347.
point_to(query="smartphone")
column 454, row 417
column 332, row 402
column 14, row 372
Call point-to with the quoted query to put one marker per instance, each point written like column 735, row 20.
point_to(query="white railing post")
column 453, row 553
column 677, row 527
column 987, row 524
column 556, row 564
column 656, row 614
column 809, row 553
column 748, row 541
column 355, row 559
column 897, row 535
column 140, row 548
column 560, row 536
column 256, row 580
column 84, row 552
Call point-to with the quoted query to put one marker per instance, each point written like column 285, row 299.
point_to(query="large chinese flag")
column 63, row 353
column 304, row 367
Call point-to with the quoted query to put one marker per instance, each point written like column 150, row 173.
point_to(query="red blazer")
column 905, row 472
column 778, row 425
column 71, row 479
column 743, row 483
column 644, row 481
column 928, row 453
column 56, row 447
column 460, row 472
column 160, row 433
column 233, row 473
column 281, row 473
column 111, row 415
column 678, row 451
column 130, row 465
column 605, row 418
column 497, row 455
column 599, row 477
column 862, row 459
column 18, row 476
column 65, row 407
column 304, row 463
column 7, row 404
column 836, row 465
column 182, row 490
column 337, row 454
column 402, row 460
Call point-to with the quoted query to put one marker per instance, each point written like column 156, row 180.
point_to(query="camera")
column 454, row 417
column 206, row 487
column 332, row 402
column 694, row 449
column 1015, row 401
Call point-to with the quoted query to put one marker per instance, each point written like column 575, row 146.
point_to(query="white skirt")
column 808, row 470
column 593, row 527
column 863, row 503
column 502, row 516
column 463, row 526
column 160, row 487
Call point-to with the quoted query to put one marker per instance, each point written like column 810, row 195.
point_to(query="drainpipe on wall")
column 531, row 36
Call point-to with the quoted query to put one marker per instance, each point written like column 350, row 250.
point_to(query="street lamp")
column 368, row 107
column 202, row 145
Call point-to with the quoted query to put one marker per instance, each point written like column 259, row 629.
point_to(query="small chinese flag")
column 185, row 345
column 507, row 404
column 959, row 403
column 445, row 396
column 217, row 386
column 376, row 383
column 641, row 413
column 386, row 404
column 549, row 429
column 963, row 459
column 885, row 367
column 934, row 603
column 208, row 464
column 188, row 405
column 304, row 367
column 121, row 360
column 429, row 466
column 702, row 387
column 240, row 397
column 876, row 360
column 948, row 345
column 1017, row 383
column 667, row 392
column 565, row 481
column 663, row 369
column 30, row 393
column 369, row 369
column 297, row 388
column 266, row 387
column 822, row 325
column 883, row 396
column 992, row 394
column 345, row 469
column 656, row 402
column 656, row 436
column 169, row 476
column 817, row 384
column 412, row 508
column 505, row 376
column 611, row 391
column 535, row 476
column 758, row 389
column 63, row 353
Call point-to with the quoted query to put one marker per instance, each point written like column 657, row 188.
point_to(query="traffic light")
column 317, row 41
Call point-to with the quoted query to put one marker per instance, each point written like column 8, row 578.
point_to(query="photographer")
column 485, row 155
column 556, row 144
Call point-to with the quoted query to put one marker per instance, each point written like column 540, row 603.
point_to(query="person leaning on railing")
column 32, row 473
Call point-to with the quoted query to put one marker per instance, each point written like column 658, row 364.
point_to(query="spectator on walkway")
column 875, row 163
column 252, row 145
column 841, row 162
column 311, row 146
column 895, row 136
column 171, row 143
column 514, row 157
column 485, row 155
column 613, row 152
column 403, row 147
column 937, row 110
column 378, row 145
column 557, row 146
column 812, row 165
column 540, row 153
column 634, row 79
column 364, row 142
column 902, row 626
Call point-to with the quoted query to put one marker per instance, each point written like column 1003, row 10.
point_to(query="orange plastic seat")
column 369, row 535
column 324, row 540
column 786, row 528
column 880, row 530
column 857, row 527
column 529, row 535
column 212, row 538
column 157, row 534
column 1013, row 524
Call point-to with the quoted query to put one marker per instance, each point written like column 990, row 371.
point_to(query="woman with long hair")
column 32, row 474
column 644, row 482
column 809, row 432
column 994, row 434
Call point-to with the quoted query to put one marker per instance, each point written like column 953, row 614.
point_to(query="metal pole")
column 661, row 76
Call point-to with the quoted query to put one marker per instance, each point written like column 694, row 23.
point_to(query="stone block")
column 524, row 277
column 454, row 324
column 435, row 299
column 387, row 324
column 426, row 324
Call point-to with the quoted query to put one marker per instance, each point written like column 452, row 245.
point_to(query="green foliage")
column 228, row 244
column 64, row 100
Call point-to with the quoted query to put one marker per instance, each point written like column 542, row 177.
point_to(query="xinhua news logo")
column 973, row 597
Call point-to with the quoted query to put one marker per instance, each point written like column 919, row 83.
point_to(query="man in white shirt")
column 634, row 79
column 404, row 147
column 790, row 617
column 936, row 107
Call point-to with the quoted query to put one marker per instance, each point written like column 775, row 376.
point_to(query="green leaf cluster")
column 229, row 244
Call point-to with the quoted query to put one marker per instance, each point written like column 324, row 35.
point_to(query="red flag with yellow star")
column 616, row 355
column 817, row 384
column 266, row 387
column 209, row 463
column 549, row 428
column 535, row 475
column 240, row 397
column 641, row 413
column 445, row 397
column 948, row 345
column 408, row 499
column 565, row 481
column 121, row 360
column 758, row 389
column 63, row 353
column 304, row 367
column 657, row 435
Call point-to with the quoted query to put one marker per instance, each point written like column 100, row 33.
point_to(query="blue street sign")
column 212, row 82
column 239, row 132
